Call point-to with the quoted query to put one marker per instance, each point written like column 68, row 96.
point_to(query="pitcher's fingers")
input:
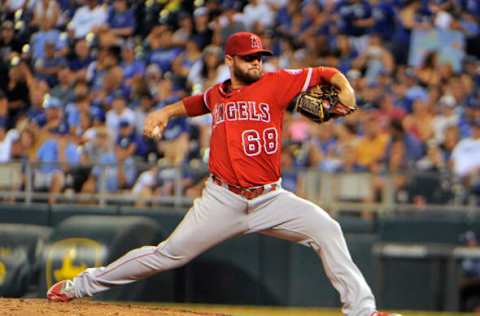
column 148, row 131
column 157, row 132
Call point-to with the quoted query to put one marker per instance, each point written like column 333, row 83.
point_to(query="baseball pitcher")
column 244, row 193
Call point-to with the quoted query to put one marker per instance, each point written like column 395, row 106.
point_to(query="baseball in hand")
column 157, row 132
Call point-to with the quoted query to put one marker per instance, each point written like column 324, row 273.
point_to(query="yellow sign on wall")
column 3, row 273
column 68, row 257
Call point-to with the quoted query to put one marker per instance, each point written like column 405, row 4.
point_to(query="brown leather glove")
column 320, row 103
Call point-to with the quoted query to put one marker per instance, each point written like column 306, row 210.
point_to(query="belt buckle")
column 248, row 193
column 253, row 193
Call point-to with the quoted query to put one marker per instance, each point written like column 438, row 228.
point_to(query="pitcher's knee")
column 176, row 256
column 321, row 223
column 335, row 227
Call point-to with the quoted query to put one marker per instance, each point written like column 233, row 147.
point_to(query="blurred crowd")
column 78, row 77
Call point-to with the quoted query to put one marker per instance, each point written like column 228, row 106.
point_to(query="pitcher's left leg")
column 293, row 218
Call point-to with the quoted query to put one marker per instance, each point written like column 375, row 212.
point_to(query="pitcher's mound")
column 86, row 307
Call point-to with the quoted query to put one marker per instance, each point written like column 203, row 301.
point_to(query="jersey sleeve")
column 195, row 105
column 294, row 81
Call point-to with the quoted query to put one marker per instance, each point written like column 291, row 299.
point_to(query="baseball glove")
column 320, row 103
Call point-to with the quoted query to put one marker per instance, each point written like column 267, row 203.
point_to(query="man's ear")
column 228, row 60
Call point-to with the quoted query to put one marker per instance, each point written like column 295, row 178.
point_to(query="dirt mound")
column 87, row 307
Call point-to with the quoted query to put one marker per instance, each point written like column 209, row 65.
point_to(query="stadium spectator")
column 25, row 147
column 46, row 12
column 55, row 154
column 370, row 149
column 80, row 60
column 48, row 66
column 420, row 121
column 9, row 43
column 121, row 19
column 119, row 112
column 161, row 48
column 7, row 139
column 229, row 22
column 203, row 33
column 133, row 68
column 208, row 70
column 47, row 34
column 128, row 143
column 291, row 180
column 355, row 20
column 145, row 105
column 88, row 18
column 110, row 63
column 447, row 116
column 185, row 29
column 322, row 153
column 75, row 111
column 63, row 89
column 257, row 14
column 108, row 173
column 375, row 59
column 106, row 60
column 18, row 89
column 466, row 159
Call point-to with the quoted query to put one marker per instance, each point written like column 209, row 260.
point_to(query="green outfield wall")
column 411, row 261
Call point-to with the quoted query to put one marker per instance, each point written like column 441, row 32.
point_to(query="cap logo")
column 255, row 42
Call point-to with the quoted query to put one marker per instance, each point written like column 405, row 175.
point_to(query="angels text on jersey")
column 241, row 111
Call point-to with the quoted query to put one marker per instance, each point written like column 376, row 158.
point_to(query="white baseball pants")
column 220, row 214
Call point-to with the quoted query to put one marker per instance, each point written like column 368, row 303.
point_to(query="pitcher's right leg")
column 215, row 217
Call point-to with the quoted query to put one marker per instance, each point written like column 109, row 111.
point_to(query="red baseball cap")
column 245, row 43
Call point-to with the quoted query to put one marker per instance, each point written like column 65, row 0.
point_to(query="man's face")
column 81, row 48
column 118, row 105
column 52, row 113
column 126, row 130
column 3, row 103
column 7, row 33
column 120, row 5
column 247, row 69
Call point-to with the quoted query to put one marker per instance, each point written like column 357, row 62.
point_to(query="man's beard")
column 246, row 77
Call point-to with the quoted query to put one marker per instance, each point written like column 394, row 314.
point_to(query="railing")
column 410, row 191
column 336, row 192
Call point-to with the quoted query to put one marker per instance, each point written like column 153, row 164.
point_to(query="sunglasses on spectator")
column 251, row 58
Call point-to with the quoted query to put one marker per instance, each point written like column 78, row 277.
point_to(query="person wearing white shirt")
column 87, row 18
column 447, row 117
column 6, row 144
column 257, row 11
column 119, row 112
column 466, row 155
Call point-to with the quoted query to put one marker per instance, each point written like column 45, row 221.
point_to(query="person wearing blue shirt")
column 413, row 147
column 355, row 17
column 50, row 174
column 81, row 59
column 383, row 14
column 129, row 143
column 96, row 71
column 74, row 111
column 133, row 68
column 356, row 21
column 121, row 19
column 162, row 52
column 47, row 67
column 50, row 117
column 40, row 38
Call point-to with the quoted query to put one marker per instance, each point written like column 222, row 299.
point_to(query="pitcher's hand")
column 155, row 123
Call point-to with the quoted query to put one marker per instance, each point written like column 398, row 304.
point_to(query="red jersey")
column 245, row 145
